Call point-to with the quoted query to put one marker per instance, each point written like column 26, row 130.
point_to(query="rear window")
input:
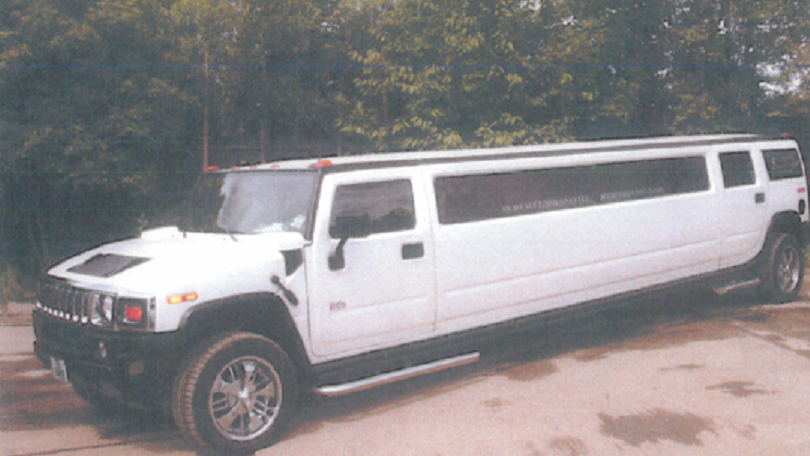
column 783, row 163
column 487, row 196
column 738, row 170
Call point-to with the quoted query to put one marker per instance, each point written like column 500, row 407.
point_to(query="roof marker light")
column 211, row 168
column 322, row 164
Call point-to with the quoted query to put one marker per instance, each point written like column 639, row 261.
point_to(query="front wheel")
column 783, row 269
column 236, row 394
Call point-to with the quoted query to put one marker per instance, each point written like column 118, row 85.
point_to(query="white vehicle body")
column 392, row 253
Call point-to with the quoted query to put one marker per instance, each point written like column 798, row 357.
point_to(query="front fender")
column 259, row 313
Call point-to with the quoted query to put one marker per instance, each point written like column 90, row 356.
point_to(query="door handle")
column 759, row 198
column 411, row 251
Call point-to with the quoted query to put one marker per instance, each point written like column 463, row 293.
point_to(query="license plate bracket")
column 59, row 369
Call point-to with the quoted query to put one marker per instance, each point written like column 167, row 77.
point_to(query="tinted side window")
column 380, row 207
column 783, row 164
column 480, row 197
column 737, row 169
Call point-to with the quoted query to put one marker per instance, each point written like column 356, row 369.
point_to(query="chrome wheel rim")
column 245, row 398
column 787, row 270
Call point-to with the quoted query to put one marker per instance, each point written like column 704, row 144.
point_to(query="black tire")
column 236, row 394
column 783, row 269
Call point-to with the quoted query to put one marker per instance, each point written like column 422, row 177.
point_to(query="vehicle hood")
column 167, row 260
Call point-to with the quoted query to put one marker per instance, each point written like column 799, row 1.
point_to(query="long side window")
column 738, row 170
column 380, row 207
column 783, row 163
column 487, row 196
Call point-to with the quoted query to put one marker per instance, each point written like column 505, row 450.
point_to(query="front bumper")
column 135, row 368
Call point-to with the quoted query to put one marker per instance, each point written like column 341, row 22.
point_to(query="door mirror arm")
column 343, row 228
column 337, row 260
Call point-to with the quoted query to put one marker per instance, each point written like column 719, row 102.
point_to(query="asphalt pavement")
column 681, row 374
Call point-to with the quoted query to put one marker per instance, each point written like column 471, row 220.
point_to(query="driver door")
column 381, row 291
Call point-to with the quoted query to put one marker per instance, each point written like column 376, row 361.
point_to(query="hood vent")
column 107, row 265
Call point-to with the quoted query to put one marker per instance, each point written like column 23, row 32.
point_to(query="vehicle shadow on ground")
column 669, row 319
column 32, row 400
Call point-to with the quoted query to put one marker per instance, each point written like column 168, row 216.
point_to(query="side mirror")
column 343, row 228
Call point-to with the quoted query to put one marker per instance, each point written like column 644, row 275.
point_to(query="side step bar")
column 734, row 286
column 395, row 376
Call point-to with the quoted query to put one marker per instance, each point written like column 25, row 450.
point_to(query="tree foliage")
column 444, row 74
column 87, row 117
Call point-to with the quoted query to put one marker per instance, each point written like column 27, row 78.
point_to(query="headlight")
column 101, row 309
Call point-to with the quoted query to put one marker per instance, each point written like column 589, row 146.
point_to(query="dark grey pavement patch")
column 655, row 425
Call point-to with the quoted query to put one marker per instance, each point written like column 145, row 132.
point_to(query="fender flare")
column 787, row 222
column 261, row 313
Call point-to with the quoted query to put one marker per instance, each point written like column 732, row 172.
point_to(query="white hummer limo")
column 337, row 275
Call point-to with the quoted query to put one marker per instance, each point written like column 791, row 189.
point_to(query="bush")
column 10, row 287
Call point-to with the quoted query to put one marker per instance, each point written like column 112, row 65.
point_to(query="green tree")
column 207, row 31
column 261, row 68
column 280, row 69
column 443, row 74
column 666, row 66
column 87, row 118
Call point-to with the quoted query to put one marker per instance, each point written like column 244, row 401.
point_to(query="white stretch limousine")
column 338, row 275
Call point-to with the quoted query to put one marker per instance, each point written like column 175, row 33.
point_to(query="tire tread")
column 768, row 288
column 187, row 383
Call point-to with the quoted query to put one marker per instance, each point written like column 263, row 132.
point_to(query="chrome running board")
column 736, row 286
column 395, row 376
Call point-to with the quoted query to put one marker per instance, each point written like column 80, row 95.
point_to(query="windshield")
column 251, row 202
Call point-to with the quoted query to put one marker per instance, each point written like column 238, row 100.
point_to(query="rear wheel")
column 236, row 394
column 783, row 269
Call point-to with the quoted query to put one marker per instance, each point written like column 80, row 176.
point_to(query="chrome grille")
column 100, row 309
column 65, row 302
